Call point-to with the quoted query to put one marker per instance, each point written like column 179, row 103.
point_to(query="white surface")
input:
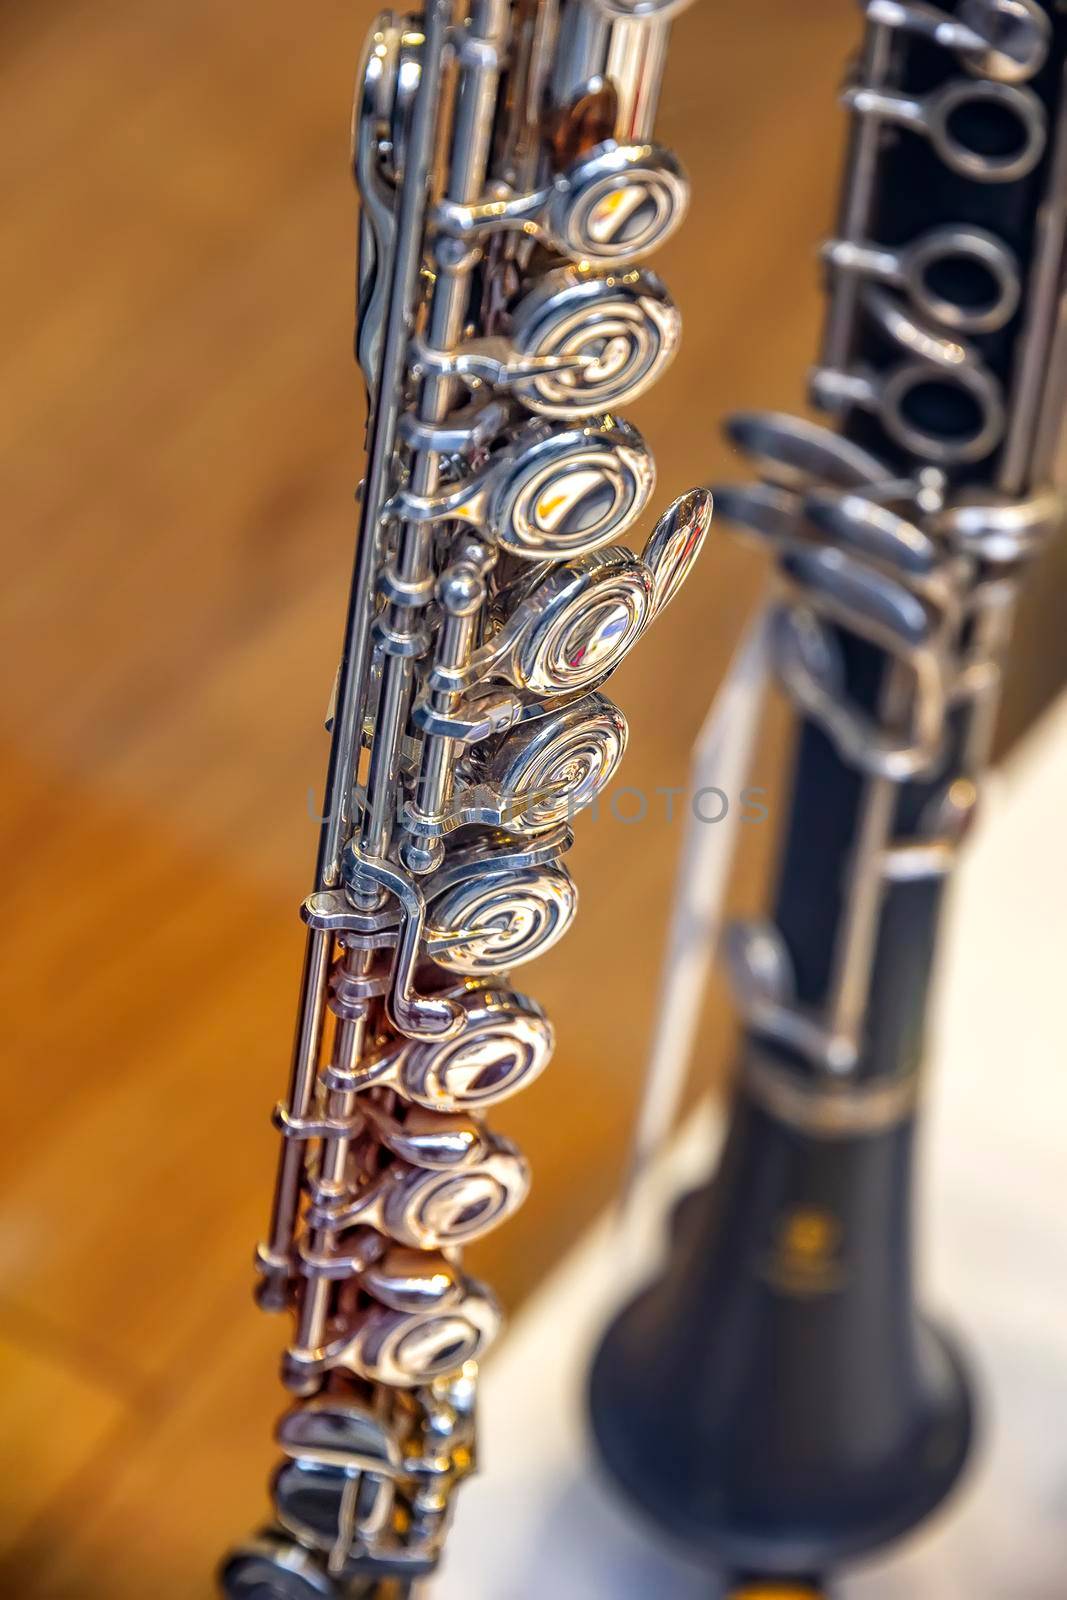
column 538, row 1524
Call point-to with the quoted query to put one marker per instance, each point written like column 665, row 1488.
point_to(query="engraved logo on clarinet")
column 805, row 1256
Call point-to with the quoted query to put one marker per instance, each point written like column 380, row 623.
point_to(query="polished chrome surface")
column 546, row 493
column 503, row 314
column 616, row 202
column 511, row 917
column 506, row 1042
column 611, row 335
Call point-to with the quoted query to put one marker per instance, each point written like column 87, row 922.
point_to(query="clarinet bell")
column 775, row 1401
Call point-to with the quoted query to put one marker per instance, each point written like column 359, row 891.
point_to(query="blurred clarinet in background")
column 509, row 185
column 776, row 1401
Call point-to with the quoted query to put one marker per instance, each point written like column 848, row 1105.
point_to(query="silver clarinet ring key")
column 963, row 278
column 616, row 334
column 1014, row 38
column 941, row 402
column 944, row 416
column 1006, row 40
column 988, row 132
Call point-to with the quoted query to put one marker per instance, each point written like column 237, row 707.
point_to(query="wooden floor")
column 181, row 428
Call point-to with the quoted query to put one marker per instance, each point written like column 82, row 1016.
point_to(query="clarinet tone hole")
column 989, row 132
column 942, row 410
column 964, row 283
column 987, row 129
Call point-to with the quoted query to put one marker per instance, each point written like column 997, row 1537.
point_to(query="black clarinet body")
column 777, row 1401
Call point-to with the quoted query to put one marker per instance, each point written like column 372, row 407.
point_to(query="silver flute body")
column 777, row 1400
column 510, row 188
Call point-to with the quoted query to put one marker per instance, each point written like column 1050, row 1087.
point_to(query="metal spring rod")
column 846, row 1004
column 461, row 591
column 858, row 198
column 437, row 395
column 1026, row 454
column 347, row 1048
column 276, row 1255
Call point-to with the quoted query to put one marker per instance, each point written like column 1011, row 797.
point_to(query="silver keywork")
column 503, row 315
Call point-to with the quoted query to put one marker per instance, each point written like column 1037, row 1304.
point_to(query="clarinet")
column 509, row 186
column 776, row 1401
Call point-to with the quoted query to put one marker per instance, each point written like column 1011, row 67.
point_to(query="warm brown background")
column 181, row 433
